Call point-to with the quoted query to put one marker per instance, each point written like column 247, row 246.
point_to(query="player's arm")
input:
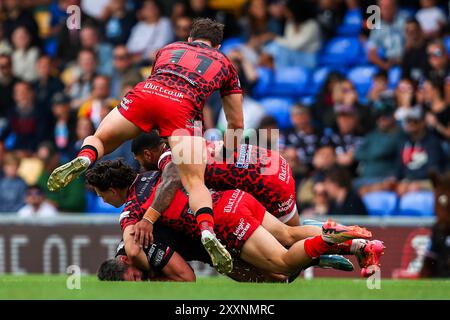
column 177, row 269
column 133, row 250
column 232, row 107
column 164, row 194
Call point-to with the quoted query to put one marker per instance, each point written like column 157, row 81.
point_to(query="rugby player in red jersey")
column 263, row 173
column 171, row 100
column 242, row 222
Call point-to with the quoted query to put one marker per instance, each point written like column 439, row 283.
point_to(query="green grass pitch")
column 220, row 288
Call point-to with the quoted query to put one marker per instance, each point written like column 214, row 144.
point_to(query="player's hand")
column 143, row 233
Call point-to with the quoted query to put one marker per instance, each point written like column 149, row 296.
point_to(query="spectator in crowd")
column 379, row 87
column 84, row 129
column 182, row 28
column 24, row 56
column 404, row 95
column 385, row 43
column 11, row 185
column 324, row 159
column 80, row 88
column 303, row 138
column 5, row 46
column 379, row 150
column 95, row 9
column 420, row 153
column 438, row 115
column 439, row 65
column 90, row 39
column 150, row 34
column 68, row 199
column 47, row 84
column 330, row 15
column 322, row 110
column 16, row 16
column 201, row 9
column 124, row 71
column 65, row 122
column 301, row 40
column 99, row 102
column 343, row 200
column 118, row 22
column 7, row 83
column 257, row 26
column 272, row 129
column 432, row 19
column 36, row 204
column 414, row 60
column 27, row 124
column 319, row 207
column 346, row 139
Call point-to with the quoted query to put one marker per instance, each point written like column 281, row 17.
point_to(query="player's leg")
column 133, row 250
column 189, row 154
column 288, row 235
column 112, row 132
column 294, row 221
column 263, row 251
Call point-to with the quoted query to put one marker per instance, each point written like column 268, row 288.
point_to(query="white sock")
column 86, row 160
column 357, row 245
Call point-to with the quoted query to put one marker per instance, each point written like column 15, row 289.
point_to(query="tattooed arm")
column 166, row 190
column 164, row 195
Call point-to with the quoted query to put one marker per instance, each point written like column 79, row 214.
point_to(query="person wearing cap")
column 65, row 122
column 379, row 149
column 420, row 152
column 37, row 205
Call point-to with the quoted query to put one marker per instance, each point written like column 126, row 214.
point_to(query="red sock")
column 205, row 219
column 89, row 152
column 315, row 247
column 341, row 248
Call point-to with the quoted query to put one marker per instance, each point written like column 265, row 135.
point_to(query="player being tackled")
column 184, row 75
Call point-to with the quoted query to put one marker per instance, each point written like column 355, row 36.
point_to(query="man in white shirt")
column 150, row 34
column 36, row 205
column 431, row 18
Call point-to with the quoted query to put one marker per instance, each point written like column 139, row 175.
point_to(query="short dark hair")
column 339, row 176
column 111, row 174
column 111, row 270
column 207, row 29
column 149, row 140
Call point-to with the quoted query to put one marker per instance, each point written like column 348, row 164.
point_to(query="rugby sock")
column 348, row 247
column 89, row 153
column 316, row 246
column 205, row 219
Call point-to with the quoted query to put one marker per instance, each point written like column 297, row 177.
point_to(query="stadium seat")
column 352, row 24
column 279, row 108
column 284, row 82
column 381, row 203
column 291, row 81
column 342, row 51
column 95, row 205
column 419, row 203
column 361, row 77
column 231, row 44
column 394, row 76
column 318, row 78
column 262, row 86
column 447, row 43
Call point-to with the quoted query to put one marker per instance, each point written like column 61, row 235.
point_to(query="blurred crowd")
column 57, row 84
